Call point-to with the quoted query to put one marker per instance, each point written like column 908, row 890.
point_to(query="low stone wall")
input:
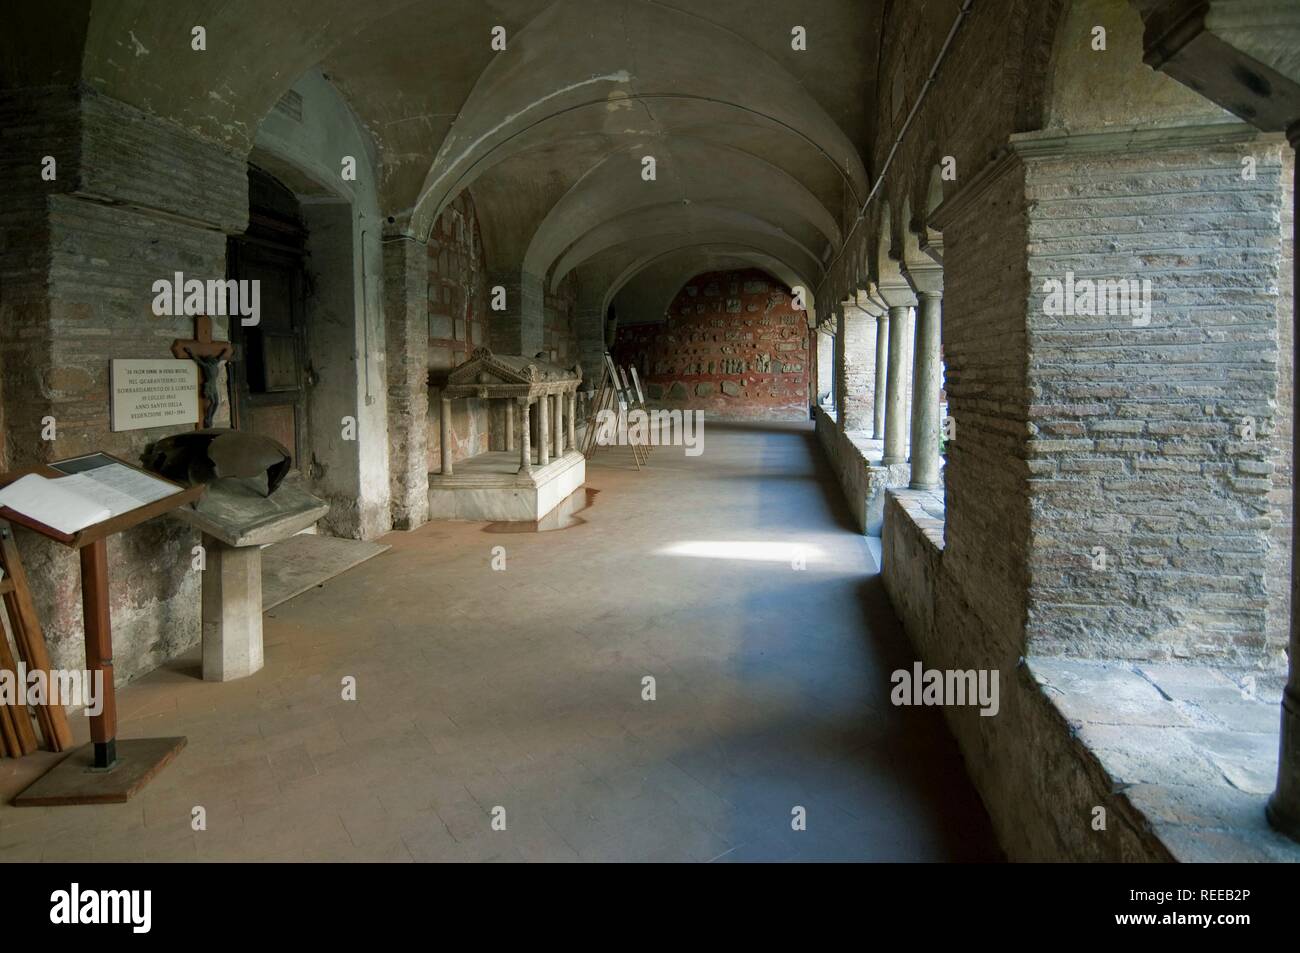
column 1038, row 781
column 911, row 548
column 863, row 482
column 1091, row 759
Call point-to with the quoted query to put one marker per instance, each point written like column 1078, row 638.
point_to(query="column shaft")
column 926, row 379
column 525, row 451
column 510, row 426
column 558, row 427
column 444, row 435
column 573, row 413
column 543, row 430
column 837, row 370
column 882, row 359
column 896, row 423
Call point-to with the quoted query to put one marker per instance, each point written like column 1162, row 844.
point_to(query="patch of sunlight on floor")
column 749, row 550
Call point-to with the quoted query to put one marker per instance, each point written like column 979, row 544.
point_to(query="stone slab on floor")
column 1191, row 749
column 294, row 565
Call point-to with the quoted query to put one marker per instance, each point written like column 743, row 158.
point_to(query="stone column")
column 882, row 375
column 901, row 300
column 558, row 426
column 837, row 368
column 525, row 451
column 543, row 431
column 1284, row 805
column 573, row 413
column 406, row 316
column 444, row 435
column 926, row 383
column 510, row 426
column 924, row 274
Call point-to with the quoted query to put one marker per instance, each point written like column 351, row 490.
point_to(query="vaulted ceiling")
column 758, row 147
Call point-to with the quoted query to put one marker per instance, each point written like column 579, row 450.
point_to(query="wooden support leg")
column 99, row 647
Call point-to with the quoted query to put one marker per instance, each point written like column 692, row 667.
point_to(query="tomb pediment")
column 486, row 374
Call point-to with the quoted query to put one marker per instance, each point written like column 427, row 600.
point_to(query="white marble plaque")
column 158, row 393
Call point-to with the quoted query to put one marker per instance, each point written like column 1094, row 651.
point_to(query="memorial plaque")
column 153, row 393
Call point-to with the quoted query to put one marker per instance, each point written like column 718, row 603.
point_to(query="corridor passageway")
column 318, row 321
column 522, row 689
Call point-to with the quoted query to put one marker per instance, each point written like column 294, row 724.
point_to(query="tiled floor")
column 523, row 689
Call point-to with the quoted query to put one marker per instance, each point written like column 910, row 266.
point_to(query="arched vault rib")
column 541, row 83
column 634, row 263
column 691, row 171
column 645, row 296
column 667, row 234
column 674, row 221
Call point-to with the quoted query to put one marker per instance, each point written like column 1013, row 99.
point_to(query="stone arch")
column 345, row 330
column 1081, row 88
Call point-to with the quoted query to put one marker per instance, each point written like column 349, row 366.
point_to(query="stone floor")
column 523, row 689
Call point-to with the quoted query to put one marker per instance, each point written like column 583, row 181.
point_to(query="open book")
column 71, row 503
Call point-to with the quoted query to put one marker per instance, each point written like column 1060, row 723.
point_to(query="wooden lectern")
column 106, row 770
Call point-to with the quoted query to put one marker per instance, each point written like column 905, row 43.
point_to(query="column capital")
column 897, row 293
column 924, row 276
column 865, row 302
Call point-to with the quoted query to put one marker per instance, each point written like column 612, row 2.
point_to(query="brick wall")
column 733, row 345
column 77, row 273
column 1136, row 442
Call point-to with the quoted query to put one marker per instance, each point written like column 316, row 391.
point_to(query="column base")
column 888, row 461
column 925, row 486
column 1284, row 806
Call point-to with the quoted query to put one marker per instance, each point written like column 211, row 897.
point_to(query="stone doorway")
column 268, row 380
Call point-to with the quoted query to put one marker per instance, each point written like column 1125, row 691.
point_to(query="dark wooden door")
column 269, row 379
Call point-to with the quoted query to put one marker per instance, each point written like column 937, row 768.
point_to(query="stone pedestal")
column 237, row 521
column 232, row 610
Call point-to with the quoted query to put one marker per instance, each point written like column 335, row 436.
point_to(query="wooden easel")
column 106, row 770
column 636, row 399
column 15, row 722
column 609, row 397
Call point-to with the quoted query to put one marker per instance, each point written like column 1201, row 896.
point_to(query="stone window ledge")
column 925, row 509
column 870, row 449
column 1190, row 750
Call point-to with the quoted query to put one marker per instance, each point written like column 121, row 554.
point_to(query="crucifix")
column 208, row 354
